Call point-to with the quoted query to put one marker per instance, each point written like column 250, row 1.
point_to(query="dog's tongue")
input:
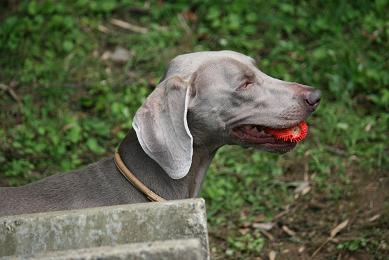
column 293, row 134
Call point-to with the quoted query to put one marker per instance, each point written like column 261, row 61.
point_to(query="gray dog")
column 205, row 100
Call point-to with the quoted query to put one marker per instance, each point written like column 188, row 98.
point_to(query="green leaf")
column 93, row 145
column 68, row 46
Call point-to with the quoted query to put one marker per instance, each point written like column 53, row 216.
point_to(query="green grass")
column 72, row 107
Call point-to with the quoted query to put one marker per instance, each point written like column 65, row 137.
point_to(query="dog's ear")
column 162, row 129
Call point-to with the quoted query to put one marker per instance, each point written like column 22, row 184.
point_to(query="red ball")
column 293, row 134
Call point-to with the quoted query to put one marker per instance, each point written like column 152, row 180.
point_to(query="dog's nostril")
column 313, row 97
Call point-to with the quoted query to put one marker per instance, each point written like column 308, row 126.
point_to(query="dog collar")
column 152, row 196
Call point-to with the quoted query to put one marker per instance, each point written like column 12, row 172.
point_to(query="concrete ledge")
column 189, row 249
column 39, row 233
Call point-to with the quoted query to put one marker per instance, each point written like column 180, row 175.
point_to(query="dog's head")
column 217, row 98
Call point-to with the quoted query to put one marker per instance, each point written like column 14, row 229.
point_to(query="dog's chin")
column 276, row 148
column 255, row 137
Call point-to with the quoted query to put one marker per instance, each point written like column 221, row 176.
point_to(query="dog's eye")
column 247, row 84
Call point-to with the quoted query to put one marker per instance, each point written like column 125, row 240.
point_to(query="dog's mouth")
column 278, row 140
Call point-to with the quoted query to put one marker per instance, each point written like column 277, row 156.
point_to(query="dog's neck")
column 156, row 179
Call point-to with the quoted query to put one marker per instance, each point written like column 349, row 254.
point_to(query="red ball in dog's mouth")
column 292, row 134
column 278, row 140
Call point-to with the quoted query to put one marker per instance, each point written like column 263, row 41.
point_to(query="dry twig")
column 12, row 93
column 184, row 24
column 333, row 233
column 128, row 26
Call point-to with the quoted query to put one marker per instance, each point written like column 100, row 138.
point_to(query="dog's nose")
column 312, row 98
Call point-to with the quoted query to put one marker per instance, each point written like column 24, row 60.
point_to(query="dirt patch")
column 303, row 229
column 3, row 183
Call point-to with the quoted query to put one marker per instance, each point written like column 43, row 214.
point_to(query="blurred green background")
column 72, row 74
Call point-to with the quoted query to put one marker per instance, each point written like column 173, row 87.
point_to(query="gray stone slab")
column 188, row 249
column 105, row 226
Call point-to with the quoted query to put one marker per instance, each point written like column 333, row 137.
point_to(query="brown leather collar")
column 152, row 196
